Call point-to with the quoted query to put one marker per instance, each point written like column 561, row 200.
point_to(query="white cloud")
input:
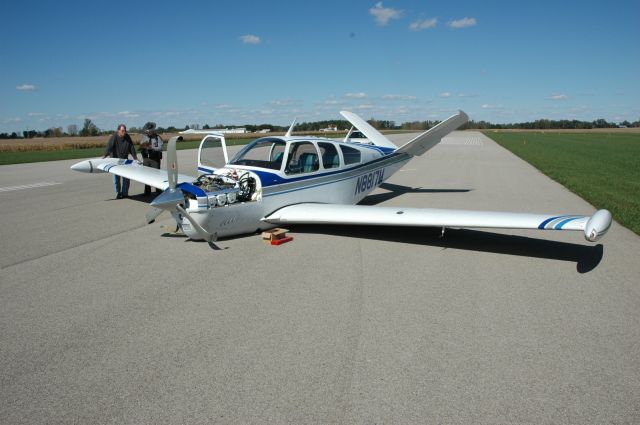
column 127, row 114
column 423, row 24
column 356, row 95
column 445, row 94
column 383, row 15
column 559, row 97
column 283, row 102
column 26, row 87
column 492, row 107
column 250, row 39
column 397, row 97
column 463, row 23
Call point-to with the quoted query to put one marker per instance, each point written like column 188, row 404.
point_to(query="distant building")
column 264, row 130
column 330, row 129
column 239, row 130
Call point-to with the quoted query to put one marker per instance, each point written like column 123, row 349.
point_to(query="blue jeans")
column 124, row 191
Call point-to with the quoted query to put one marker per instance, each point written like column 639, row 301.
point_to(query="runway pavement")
column 104, row 319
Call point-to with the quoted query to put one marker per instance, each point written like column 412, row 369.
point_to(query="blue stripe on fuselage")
column 350, row 171
column 269, row 179
column 272, row 179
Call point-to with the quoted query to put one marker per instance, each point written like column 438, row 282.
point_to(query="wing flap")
column 427, row 217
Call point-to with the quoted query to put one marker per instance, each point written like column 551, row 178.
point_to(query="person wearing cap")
column 120, row 146
column 151, row 150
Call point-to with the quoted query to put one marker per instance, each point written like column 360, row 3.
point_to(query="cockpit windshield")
column 266, row 153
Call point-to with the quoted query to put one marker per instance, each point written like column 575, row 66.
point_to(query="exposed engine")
column 230, row 187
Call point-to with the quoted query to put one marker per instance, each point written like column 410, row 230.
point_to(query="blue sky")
column 211, row 62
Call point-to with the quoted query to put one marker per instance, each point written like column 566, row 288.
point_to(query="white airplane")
column 309, row 180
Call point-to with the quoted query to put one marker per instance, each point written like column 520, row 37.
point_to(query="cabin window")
column 351, row 155
column 265, row 153
column 303, row 158
column 329, row 154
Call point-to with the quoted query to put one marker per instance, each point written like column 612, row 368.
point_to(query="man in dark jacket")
column 151, row 150
column 120, row 146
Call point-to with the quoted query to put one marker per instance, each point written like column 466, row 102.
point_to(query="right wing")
column 129, row 169
column 594, row 227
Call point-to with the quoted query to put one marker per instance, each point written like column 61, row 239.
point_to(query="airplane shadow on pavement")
column 586, row 257
column 396, row 190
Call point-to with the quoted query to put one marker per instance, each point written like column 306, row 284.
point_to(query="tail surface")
column 432, row 137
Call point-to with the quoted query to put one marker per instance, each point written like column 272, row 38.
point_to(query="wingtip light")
column 83, row 166
column 598, row 225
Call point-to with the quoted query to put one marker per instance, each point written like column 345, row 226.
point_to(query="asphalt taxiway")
column 104, row 319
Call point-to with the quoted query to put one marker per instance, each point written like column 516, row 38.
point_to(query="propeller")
column 172, row 197
column 168, row 199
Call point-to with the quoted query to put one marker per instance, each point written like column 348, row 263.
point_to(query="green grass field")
column 602, row 168
column 56, row 155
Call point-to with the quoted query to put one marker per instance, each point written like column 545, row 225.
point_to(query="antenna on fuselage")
column 290, row 131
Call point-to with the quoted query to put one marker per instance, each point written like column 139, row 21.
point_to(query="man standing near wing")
column 120, row 146
column 151, row 150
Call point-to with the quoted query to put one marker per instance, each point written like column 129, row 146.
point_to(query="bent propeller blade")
column 152, row 214
column 172, row 162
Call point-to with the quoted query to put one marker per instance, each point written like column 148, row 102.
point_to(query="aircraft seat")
column 309, row 162
column 330, row 160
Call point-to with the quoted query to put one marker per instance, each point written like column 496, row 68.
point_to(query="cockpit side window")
column 351, row 155
column 329, row 154
column 303, row 158
column 265, row 153
column 277, row 153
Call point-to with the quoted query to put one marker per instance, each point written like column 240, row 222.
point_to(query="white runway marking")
column 462, row 140
column 28, row 186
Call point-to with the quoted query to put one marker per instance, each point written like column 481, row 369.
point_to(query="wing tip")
column 598, row 225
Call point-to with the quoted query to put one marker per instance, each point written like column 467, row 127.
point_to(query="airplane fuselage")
column 332, row 182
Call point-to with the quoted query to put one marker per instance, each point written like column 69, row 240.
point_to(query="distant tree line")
column 544, row 124
column 90, row 129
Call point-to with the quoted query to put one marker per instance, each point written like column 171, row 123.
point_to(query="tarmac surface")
column 104, row 319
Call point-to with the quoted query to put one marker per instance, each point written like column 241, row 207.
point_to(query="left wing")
column 129, row 169
column 594, row 226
